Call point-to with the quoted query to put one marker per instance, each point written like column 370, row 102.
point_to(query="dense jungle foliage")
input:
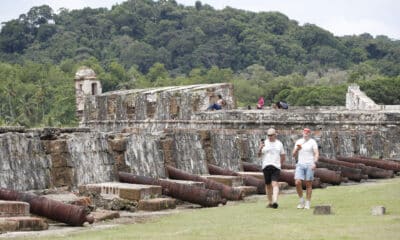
column 145, row 43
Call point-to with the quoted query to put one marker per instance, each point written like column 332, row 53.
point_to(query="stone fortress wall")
column 143, row 130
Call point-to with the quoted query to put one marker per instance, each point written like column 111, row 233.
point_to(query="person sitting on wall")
column 217, row 105
column 260, row 103
column 280, row 105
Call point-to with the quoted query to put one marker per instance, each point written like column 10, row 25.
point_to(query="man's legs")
column 308, row 180
column 275, row 194
column 268, row 190
column 308, row 194
column 299, row 190
column 300, row 175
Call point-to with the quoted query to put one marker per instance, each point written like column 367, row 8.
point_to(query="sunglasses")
column 271, row 135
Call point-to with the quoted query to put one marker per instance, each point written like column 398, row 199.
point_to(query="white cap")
column 271, row 131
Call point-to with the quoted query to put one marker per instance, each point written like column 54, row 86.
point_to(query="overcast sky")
column 341, row 17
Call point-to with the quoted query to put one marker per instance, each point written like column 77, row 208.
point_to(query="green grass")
column 351, row 218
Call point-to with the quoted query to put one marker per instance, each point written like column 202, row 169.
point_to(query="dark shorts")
column 271, row 173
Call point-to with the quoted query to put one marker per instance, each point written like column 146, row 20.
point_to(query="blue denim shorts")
column 304, row 172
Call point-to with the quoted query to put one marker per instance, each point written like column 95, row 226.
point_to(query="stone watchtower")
column 86, row 83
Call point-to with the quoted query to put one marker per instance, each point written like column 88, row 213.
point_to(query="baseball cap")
column 271, row 131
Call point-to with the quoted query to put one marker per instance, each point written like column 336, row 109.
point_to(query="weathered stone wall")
column 35, row 159
column 114, row 111
column 138, row 152
column 23, row 162
column 142, row 131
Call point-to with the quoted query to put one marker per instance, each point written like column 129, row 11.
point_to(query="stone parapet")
column 167, row 103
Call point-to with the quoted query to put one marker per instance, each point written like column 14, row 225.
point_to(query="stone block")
column 247, row 190
column 23, row 224
column 61, row 176
column 322, row 210
column 31, row 223
column 258, row 175
column 128, row 191
column 190, row 183
column 70, row 198
column 101, row 215
column 378, row 210
column 231, row 181
column 58, row 146
column 118, row 144
column 8, row 226
column 62, row 159
column 13, row 209
column 157, row 204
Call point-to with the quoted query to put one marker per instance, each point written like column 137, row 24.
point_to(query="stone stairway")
column 15, row 216
column 233, row 181
column 148, row 197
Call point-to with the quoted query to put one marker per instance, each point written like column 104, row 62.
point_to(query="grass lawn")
column 351, row 218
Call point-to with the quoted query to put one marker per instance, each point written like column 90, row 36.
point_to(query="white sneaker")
column 307, row 205
column 301, row 204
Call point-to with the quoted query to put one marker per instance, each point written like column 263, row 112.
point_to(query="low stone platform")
column 157, row 204
column 101, row 215
column 231, row 181
column 248, row 190
column 12, row 224
column 13, row 209
column 190, row 183
column 70, row 198
column 128, row 191
column 258, row 175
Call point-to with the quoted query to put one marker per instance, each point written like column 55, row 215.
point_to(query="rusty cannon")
column 192, row 194
column 51, row 209
column 288, row 176
column 373, row 168
column 227, row 192
column 354, row 174
column 285, row 176
column 248, row 180
column 326, row 175
column 388, row 164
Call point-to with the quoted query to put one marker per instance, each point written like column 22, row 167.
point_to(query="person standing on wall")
column 307, row 154
column 260, row 103
column 272, row 155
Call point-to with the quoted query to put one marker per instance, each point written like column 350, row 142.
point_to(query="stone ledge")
column 23, row 224
column 128, row 191
column 157, row 204
column 185, row 182
column 101, row 215
column 13, row 209
column 247, row 190
column 231, row 181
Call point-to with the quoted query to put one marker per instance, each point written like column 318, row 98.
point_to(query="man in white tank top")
column 306, row 151
column 272, row 155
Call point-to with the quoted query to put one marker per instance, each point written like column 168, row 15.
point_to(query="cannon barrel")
column 51, row 209
column 388, row 164
column 227, row 192
column 354, row 174
column 374, row 168
column 248, row 180
column 326, row 175
column 192, row 194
